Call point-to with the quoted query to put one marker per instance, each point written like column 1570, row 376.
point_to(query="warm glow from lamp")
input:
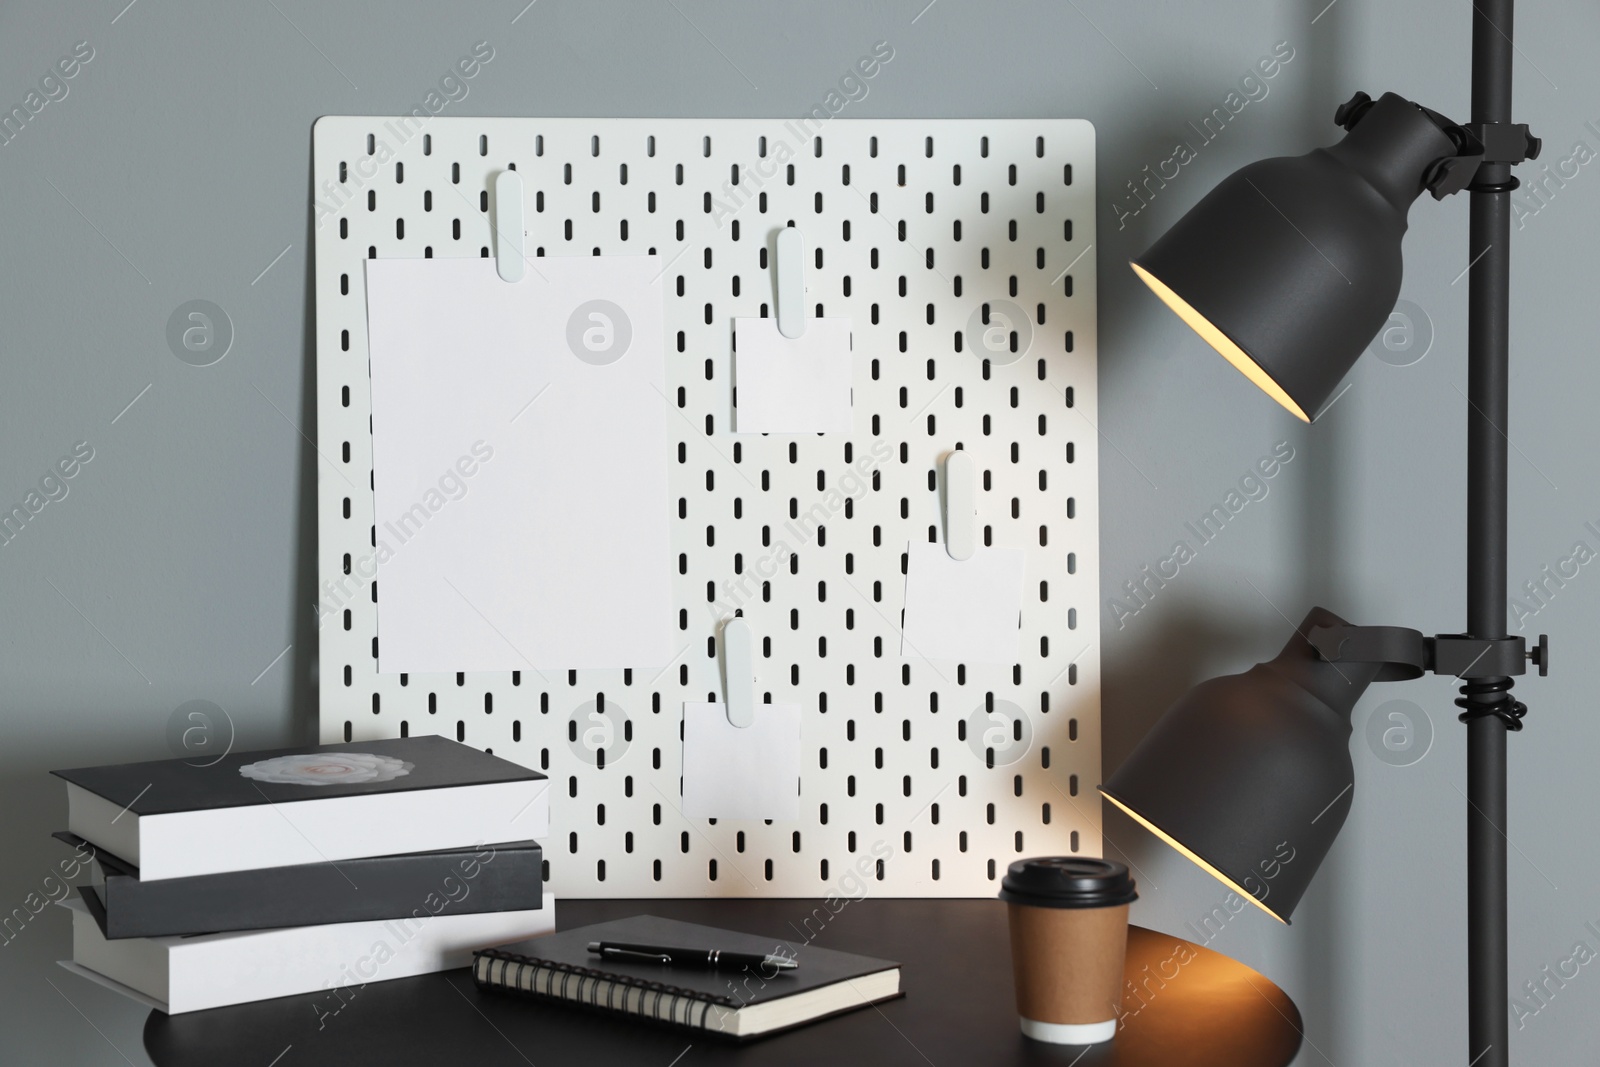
column 1169, row 839
column 1221, row 342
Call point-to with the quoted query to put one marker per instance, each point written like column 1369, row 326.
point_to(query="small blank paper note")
column 519, row 436
column 792, row 386
column 748, row 772
column 964, row 611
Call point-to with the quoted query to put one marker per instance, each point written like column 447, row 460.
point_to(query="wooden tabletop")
column 1186, row 1007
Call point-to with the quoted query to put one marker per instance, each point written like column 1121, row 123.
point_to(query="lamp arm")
column 1405, row 654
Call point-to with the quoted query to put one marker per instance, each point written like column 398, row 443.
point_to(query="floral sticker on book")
column 326, row 768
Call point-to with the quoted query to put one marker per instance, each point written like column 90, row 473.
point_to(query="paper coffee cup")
column 1069, row 942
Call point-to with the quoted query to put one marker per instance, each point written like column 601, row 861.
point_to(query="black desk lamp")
column 1288, row 269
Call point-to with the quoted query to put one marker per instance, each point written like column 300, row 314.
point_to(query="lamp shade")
column 1250, row 775
column 1290, row 266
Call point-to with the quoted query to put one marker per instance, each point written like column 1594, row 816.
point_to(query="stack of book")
column 267, row 874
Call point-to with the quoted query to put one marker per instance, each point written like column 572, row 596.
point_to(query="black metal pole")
column 1487, row 341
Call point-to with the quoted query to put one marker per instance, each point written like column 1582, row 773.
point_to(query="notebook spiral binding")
column 493, row 969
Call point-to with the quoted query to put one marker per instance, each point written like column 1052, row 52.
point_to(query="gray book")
column 421, row 884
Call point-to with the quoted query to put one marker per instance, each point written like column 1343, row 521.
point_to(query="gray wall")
column 178, row 566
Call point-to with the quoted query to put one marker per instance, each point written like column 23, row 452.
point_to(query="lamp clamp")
column 1485, row 665
column 1477, row 144
column 1505, row 142
column 1481, row 144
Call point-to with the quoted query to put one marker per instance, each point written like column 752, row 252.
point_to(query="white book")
column 182, row 974
column 247, row 810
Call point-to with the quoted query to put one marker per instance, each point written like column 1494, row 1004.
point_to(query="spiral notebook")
column 735, row 1004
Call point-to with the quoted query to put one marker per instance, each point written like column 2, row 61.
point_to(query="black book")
column 739, row 1004
column 453, row 882
column 313, row 804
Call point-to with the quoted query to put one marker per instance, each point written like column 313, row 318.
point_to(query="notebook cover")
column 242, row 779
column 505, row 877
column 818, row 967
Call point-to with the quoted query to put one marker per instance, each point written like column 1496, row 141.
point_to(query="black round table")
column 1185, row 1006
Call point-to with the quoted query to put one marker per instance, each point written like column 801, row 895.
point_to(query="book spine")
column 666, row 1004
column 489, row 878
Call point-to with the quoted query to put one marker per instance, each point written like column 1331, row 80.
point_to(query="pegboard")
column 963, row 253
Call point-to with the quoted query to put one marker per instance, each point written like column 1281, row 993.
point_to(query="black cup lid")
column 1067, row 882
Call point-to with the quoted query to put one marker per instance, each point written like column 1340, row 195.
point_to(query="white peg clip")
column 738, row 672
column 791, row 282
column 509, row 226
column 960, row 506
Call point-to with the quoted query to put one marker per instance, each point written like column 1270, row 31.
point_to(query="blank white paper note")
column 798, row 385
column 741, row 772
column 966, row 611
column 520, row 464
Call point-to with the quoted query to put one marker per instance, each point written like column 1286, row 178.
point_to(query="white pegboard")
column 912, row 228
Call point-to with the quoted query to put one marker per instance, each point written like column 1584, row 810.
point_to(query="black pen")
column 709, row 958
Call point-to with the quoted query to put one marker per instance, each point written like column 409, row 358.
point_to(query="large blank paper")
column 965, row 611
column 798, row 385
column 741, row 772
column 520, row 464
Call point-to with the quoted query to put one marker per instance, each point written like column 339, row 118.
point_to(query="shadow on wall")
column 1124, row 300
column 1165, row 168
column 1176, row 646
column 305, row 692
column 1326, row 925
column 1167, row 660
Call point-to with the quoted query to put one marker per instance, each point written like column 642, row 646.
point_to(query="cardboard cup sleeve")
column 1068, row 962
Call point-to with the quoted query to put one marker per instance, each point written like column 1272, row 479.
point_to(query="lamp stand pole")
column 1487, row 386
